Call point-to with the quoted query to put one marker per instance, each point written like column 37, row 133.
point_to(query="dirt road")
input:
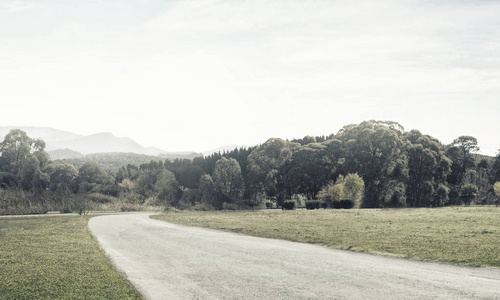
column 168, row 261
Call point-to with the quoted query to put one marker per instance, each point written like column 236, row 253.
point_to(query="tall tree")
column 167, row 188
column 428, row 168
column 496, row 189
column 61, row 174
column 93, row 173
column 468, row 192
column 32, row 178
column 15, row 149
column 373, row 149
column 354, row 188
column 227, row 178
column 467, row 145
column 495, row 169
column 266, row 164
column 309, row 170
column 188, row 176
column 207, row 192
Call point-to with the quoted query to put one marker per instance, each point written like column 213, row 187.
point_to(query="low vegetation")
column 457, row 235
column 56, row 258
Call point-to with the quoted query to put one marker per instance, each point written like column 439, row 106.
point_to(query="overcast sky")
column 195, row 75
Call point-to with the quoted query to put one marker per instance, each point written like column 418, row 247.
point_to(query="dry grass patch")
column 457, row 235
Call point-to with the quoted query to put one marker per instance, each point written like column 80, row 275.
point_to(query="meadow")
column 456, row 235
column 56, row 257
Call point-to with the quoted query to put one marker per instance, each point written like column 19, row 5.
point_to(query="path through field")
column 168, row 261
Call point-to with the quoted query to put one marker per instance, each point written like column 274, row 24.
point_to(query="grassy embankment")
column 56, row 258
column 457, row 235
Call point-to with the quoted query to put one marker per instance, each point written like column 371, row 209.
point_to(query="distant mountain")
column 70, row 145
column 49, row 135
column 102, row 142
column 67, row 145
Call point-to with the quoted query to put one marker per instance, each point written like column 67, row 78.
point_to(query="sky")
column 196, row 75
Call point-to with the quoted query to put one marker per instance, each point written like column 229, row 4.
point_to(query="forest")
column 374, row 164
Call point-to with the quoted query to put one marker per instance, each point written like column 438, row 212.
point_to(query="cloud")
column 267, row 68
column 16, row 6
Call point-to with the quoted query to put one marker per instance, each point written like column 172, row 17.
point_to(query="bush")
column 98, row 198
column 313, row 204
column 24, row 210
column 110, row 190
column 346, row 204
column 336, row 205
column 269, row 205
column 127, row 208
column 132, row 198
column 289, row 205
column 229, row 206
column 202, row 206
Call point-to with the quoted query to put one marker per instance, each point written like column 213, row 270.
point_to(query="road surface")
column 168, row 261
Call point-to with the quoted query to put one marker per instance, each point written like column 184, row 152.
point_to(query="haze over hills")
column 63, row 144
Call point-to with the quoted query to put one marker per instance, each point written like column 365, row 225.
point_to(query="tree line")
column 374, row 164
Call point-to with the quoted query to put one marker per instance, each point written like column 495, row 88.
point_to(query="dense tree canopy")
column 373, row 164
column 227, row 178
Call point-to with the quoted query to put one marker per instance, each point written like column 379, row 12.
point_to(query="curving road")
column 168, row 261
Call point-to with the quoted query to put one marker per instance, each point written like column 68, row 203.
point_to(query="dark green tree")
column 428, row 168
column 93, row 173
column 167, row 188
column 467, row 193
column 466, row 146
column 373, row 149
column 189, row 176
column 308, row 170
column 61, row 174
column 32, row 178
column 227, row 178
column 266, row 165
column 17, row 147
column 207, row 192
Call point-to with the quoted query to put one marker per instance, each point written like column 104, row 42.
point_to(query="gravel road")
column 168, row 261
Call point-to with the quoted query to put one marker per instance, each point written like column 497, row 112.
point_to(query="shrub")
column 24, row 210
column 289, row 204
column 229, row 206
column 299, row 199
column 202, row 206
column 132, row 198
column 313, row 204
column 347, row 203
column 110, row 190
column 98, row 198
column 468, row 192
column 127, row 208
column 269, row 205
column 336, row 205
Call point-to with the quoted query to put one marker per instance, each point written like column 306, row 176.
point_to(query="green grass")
column 56, row 258
column 456, row 235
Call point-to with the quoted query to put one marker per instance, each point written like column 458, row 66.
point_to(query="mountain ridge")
column 65, row 144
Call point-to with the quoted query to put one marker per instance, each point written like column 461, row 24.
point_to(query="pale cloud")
column 16, row 6
column 195, row 75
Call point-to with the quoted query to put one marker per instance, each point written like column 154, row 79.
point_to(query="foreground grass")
column 457, row 235
column 56, row 258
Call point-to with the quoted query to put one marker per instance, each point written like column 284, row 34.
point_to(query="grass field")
column 457, row 235
column 56, row 258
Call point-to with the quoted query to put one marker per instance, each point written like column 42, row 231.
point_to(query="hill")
column 63, row 144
